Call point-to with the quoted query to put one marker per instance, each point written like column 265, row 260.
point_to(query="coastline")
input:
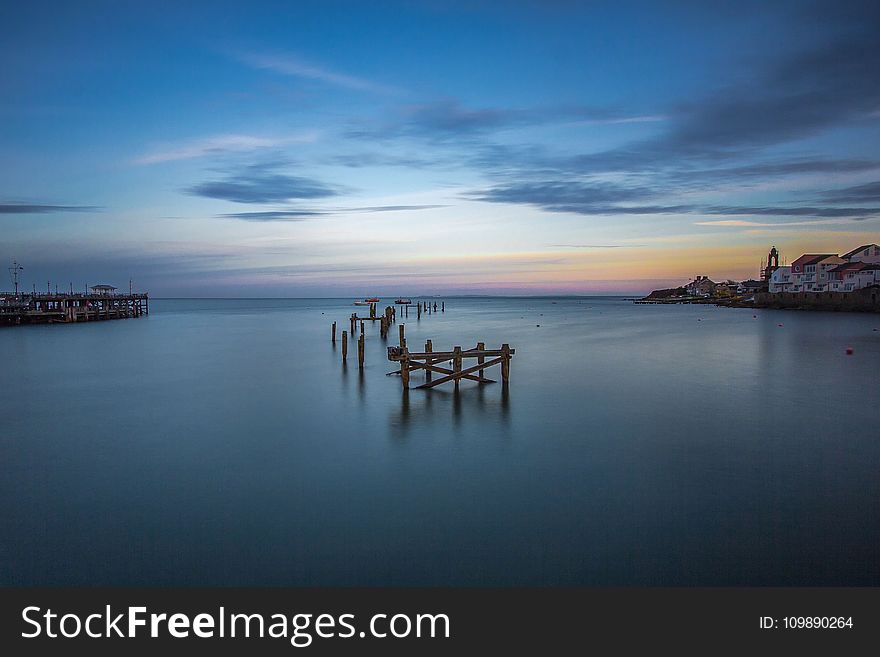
column 866, row 300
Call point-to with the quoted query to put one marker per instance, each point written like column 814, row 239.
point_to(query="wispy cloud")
column 609, row 198
column 273, row 215
column 449, row 118
column 213, row 145
column 591, row 198
column 263, row 183
column 292, row 65
column 794, row 211
column 298, row 214
column 868, row 193
column 594, row 246
column 28, row 208
column 742, row 223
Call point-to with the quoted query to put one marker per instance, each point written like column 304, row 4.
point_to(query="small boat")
column 362, row 303
column 403, row 301
column 372, row 300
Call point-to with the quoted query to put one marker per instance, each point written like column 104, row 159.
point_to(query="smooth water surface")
column 222, row 442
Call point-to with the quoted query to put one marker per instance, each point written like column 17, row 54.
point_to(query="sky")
column 322, row 149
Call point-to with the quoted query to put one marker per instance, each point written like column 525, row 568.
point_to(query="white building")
column 854, row 276
column 780, row 280
column 869, row 253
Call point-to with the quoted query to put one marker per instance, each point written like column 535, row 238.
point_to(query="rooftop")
column 854, row 251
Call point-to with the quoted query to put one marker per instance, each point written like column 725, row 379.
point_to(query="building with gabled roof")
column 865, row 253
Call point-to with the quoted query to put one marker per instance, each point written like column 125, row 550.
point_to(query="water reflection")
column 465, row 404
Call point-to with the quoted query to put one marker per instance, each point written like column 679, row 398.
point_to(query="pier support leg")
column 361, row 352
column 429, row 347
column 505, row 363
column 344, row 345
column 481, row 346
column 404, row 370
column 456, row 364
column 333, row 333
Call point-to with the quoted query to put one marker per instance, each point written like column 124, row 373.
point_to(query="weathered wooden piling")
column 419, row 311
column 404, row 370
column 333, row 333
column 456, row 364
column 361, row 351
column 344, row 345
column 362, row 327
column 505, row 362
column 353, row 320
column 429, row 347
column 442, row 306
column 481, row 346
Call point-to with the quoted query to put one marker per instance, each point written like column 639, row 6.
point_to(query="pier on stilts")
column 432, row 363
column 385, row 319
column 69, row 308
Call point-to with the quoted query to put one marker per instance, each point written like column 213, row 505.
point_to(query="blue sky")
column 330, row 148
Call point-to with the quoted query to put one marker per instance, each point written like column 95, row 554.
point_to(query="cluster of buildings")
column 703, row 286
column 812, row 272
column 829, row 272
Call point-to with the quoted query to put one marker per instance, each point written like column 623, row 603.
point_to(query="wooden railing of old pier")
column 429, row 360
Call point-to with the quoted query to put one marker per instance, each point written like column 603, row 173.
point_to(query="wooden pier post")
column 481, row 346
column 344, row 345
column 419, row 311
column 361, row 352
column 400, row 330
column 404, row 370
column 505, row 362
column 362, row 327
column 429, row 347
column 456, row 363
column 333, row 333
column 352, row 321
column 442, row 306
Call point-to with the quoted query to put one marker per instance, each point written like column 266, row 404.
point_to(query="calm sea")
column 221, row 442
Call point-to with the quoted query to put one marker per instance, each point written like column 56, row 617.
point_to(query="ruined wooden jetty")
column 47, row 308
column 433, row 363
column 429, row 360
column 385, row 320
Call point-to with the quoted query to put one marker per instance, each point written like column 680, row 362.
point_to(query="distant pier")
column 68, row 308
